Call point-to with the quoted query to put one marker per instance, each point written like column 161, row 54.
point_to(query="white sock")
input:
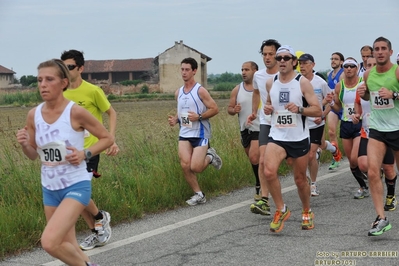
column 200, row 194
column 210, row 157
column 330, row 147
column 284, row 208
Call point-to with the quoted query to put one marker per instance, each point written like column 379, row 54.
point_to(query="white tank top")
column 321, row 89
column 52, row 140
column 259, row 83
column 191, row 101
column 244, row 98
column 366, row 111
column 347, row 97
column 287, row 126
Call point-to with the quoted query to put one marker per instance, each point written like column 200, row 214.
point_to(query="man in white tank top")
column 194, row 108
column 268, row 50
column 241, row 104
column 291, row 99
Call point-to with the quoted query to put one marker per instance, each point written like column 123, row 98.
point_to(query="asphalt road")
column 224, row 232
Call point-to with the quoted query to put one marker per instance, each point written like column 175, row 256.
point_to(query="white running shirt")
column 244, row 98
column 321, row 89
column 191, row 101
column 52, row 140
column 287, row 126
column 259, row 83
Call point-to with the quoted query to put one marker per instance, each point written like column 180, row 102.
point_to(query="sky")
column 228, row 31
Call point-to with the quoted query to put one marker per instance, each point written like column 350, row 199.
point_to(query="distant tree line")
column 224, row 82
column 227, row 81
column 225, row 77
column 28, row 81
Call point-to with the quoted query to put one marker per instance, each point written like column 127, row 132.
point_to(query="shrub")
column 111, row 97
column 131, row 82
column 145, row 89
column 224, row 86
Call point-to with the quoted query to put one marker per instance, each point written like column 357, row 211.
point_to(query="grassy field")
column 144, row 178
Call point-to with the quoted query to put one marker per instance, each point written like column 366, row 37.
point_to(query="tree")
column 225, row 77
column 27, row 80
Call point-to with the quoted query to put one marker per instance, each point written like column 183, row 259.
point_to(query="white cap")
column 350, row 62
column 286, row 48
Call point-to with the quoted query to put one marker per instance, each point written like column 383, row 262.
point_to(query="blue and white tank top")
column 191, row 101
column 334, row 81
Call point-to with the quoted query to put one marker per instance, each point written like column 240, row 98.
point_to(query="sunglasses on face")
column 71, row 67
column 285, row 58
column 351, row 66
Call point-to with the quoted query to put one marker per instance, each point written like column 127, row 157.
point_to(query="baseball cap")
column 306, row 57
column 286, row 48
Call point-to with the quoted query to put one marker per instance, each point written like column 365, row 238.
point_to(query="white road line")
column 343, row 168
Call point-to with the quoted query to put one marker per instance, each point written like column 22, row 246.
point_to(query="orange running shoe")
column 307, row 220
column 337, row 155
column 278, row 220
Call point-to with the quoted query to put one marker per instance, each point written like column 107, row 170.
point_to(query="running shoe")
column 261, row 207
column 390, row 203
column 379, row 226
column 216, row 160
column 314, row 191
column 361, row 193
column 334, row 165
column 196, row 199
column 103, row 228
column 278, row 220
column 90, row 242
column 92, row 264
column 307, row 220
column 337, row 155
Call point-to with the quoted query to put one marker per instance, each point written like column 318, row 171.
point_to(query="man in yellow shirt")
column 94, row 100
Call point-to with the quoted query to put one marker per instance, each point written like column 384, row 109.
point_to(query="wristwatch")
column 200, row 117
column 88, row 155
column 300, row 109
column 395, row 95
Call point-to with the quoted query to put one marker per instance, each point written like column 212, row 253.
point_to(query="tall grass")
column 144, row 178
column 19, row 98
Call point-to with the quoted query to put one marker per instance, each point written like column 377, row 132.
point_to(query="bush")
column 131, row 82
column 145, row 89
column 224, row 86
column 111, row 97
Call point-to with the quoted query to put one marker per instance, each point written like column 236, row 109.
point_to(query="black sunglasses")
column 351, row 66
column 285, row 58
column 71, row 67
